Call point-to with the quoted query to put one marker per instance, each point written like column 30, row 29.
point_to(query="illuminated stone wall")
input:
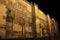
column 16, row 20
column 2, row 14
column 41, row 22
column 2, row 20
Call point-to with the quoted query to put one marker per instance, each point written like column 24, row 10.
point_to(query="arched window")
column 9, row 18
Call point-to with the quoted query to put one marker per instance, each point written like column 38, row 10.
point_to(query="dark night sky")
column 49, row 6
